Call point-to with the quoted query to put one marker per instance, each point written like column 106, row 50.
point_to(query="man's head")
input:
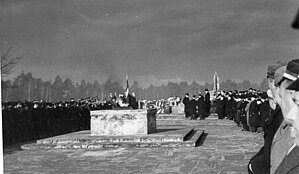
column 285, row 95
column 292, row 71
column 292, row 117
column 272, row 69
column 275, row 85
column 206, row 90
column 133, row 94
column 187, row 94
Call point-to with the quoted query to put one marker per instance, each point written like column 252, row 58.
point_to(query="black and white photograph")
column 149, row 86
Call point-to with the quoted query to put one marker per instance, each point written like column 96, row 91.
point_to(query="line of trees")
column 27, row 88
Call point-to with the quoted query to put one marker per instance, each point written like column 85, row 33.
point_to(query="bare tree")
column 8, row 63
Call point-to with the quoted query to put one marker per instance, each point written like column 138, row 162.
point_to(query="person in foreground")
column 260, row 163
column 290, row 164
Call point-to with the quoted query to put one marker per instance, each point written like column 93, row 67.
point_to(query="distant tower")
column 215, row 82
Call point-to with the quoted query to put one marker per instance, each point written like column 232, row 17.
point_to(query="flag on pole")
column 127, row 85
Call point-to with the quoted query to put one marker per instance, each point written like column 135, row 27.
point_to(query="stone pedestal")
column 178, row 109
column 123, row 122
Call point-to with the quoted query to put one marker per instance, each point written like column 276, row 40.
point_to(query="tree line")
column 27, row 88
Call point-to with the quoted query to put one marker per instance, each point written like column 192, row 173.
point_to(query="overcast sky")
column 153, row 41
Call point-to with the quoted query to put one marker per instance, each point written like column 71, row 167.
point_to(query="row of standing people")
column 197, row 107
column 275, row 113
column 249, row 109
column 33, row 121
column 25, row 121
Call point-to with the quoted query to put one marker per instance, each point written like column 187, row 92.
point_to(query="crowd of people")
column 275, row 113
column 249, row 109
column 25, row 121
column 123, row 100
column 197, row 107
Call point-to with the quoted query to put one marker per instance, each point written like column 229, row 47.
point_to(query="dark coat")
column 264, row 113
column 220, row 107
column 186, row 103
column 201, row 106
column 290, row 164
column 260, row 163
column 243, row 112
column 254, row 115
column 192, row 108
column 133, row 102
column 207, row 98
column 229, row 109
column 238, row 112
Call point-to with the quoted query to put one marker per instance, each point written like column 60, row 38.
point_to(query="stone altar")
column 122, row 122
column 178, row 109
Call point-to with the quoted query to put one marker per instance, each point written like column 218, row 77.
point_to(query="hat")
column 292, row 71
column 278, row 76
column 272, row 68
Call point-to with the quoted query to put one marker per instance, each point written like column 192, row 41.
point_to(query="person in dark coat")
column 243, row 114
column 220, row 106
column 186, row 103
column 254, row 115
column 132, row 101
column 201, row 107
column 192, row 107
column 230, row 107
column 264, row 112
column 260, row 163
column 207, row 103
column 238, row 111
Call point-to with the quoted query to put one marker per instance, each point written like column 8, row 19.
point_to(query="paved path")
column 225, row 150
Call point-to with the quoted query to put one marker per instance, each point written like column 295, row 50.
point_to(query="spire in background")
column 216, row 82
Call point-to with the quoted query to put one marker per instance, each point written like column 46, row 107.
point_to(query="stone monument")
column 216, row 86
column 123, row 122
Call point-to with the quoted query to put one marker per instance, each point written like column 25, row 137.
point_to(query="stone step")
column 212, row 117
column 162, row 135
column 170, row 116
column 196, row 138
column 192, row 142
